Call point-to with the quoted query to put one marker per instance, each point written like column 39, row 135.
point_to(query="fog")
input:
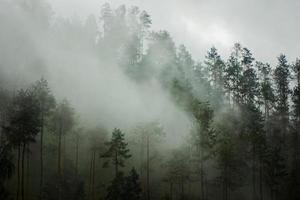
column 146, row 100
column 266, row 27
column 100, row 92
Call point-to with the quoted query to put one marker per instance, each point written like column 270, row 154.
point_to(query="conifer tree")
column 233, row 74
column 282, row 78
column 22, row 129
column 132, row 187
column 46, row 102
column 117, row 151
column 62, row 121
column 295, row 163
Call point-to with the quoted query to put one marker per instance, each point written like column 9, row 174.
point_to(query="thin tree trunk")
column 261, row 177
column 141, row 159
column 22, row 173
column 76, row 157
column 116, row 164
column 171, row 190
column 93, row 177
column 41, row 156
column 27, row 171
column 90, row 178
column 148, row 168
column 201, row 174
column 253, row 173
column 182, row 188
column 59, row 164
column 226, row 182
column 18, row 171
column 63, row 154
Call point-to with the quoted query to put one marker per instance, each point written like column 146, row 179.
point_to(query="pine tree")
column 46, row 102
column 62, row 121
column 22, row 128
column 115, row 189
column 266, row 90
column 233, row 74
column 7, row 167
column 149, row 135
column 230, row 154
column 295, row 163
column 252, row 117
column 276, row 171
column 125, row 187
column 132, row 187
column 281, row 78
column 215, row 67
column 117, row 150
column 249, row 80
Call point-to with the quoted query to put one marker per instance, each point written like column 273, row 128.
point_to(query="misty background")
column 266, row 27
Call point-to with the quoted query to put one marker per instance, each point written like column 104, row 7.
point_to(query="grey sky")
column 267, row 27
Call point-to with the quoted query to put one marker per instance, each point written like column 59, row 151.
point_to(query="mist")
column 146, row 100
column 98, row 89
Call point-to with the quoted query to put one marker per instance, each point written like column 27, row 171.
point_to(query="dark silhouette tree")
column 132, row 187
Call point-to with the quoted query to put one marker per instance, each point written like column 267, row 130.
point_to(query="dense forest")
column 107, row 108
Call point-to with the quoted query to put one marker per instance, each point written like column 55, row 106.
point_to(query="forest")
column 106, row 108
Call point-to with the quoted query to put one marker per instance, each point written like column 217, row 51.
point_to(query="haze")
column 266, row 27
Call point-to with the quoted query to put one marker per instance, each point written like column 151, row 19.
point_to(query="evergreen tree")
column 125, row 187
column 266, row 90
column 62, row 121
column 281, row 78
column 249, row 80
column 46, row 102
column 115, row 189
column 276, row 171
column 7, row 168
column 233, row 74
column 132, row 187
column 117, row 150
column 22, row 128
column 295, row 162
column 230, row 155
column 215, row 67
column 150, row 134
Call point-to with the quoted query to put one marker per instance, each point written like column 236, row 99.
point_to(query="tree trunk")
column 148, row 168
column 63, row 155
column 253, row 173
column 93, row 177
column 201, row 174
column 18, row 171
column 90, row 178
column 142, row 161
column 171, row 190
column 261, row 195
column 59, row 164
column 41, row 156
column 27, row 171
column 22, row 172
column 182, row 188
column 76, row 157
column 116, row 164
